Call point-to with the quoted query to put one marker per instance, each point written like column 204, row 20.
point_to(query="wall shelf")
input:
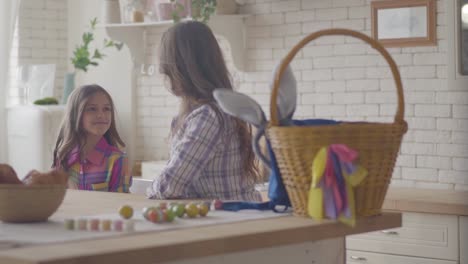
column 231, row 27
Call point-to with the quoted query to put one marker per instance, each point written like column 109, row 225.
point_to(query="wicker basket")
column 377, row 143
column 34, row 203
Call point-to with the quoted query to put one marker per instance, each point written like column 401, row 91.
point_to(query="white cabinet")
column 463, row 239
column 359, row 257
column 421, row 239
column 32, row 132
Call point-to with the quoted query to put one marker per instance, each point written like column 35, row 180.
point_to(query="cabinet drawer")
column 463, row 239
column 421, row 235
column 359, row 257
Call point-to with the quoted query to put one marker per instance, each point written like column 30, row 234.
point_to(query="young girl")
column 210, row 155
column 88, row 144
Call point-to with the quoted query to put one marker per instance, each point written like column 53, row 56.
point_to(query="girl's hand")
column 52, row 177
column 28, row 177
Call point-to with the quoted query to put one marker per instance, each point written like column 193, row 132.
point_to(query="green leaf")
column 82, row 59
column 206, row 7
column 119, row 45
column 93, row 23
column 87, row 38
column 97, row 54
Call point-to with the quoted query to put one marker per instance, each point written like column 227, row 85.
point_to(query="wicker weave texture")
column 378, row 144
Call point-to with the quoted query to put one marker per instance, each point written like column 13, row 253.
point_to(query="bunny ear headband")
column 245, row 108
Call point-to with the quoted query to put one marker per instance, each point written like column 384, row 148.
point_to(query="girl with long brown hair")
column 88, row 145
column 210, row 155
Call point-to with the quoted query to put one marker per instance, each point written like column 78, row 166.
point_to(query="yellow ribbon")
column 315, row 202
column 352, row 180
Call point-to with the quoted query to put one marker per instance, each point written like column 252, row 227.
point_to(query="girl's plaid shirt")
column 206, row 161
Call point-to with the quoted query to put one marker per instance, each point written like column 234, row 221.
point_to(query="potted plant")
column 203, row 9
column 83, row 57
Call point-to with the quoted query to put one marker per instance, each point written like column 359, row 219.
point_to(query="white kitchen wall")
column 40, row 38
column 338, row 77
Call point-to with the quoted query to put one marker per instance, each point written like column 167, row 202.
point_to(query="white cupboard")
column 423, row 238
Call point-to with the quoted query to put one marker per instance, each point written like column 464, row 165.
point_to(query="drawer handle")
column 358, row 258
column 388, row 232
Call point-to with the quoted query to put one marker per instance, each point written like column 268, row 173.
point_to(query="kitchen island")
column 296, row 239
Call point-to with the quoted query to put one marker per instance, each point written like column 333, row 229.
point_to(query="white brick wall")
column 342, row 78
column 40, row 38
column 338, row 77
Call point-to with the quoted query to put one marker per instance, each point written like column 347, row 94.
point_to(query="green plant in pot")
column 203, row 9
column 83, row 57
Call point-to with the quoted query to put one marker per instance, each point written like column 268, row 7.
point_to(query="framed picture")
column 462, row 17
column 404, row 23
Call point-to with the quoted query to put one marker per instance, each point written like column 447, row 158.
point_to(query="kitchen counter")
column 427, row 201
column 182, row 244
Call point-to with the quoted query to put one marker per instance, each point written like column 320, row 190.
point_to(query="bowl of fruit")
column 34, row 199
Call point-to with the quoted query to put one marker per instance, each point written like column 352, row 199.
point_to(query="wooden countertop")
column 427, row 201
column 179, row 244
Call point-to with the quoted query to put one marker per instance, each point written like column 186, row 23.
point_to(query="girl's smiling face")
column 97, row 115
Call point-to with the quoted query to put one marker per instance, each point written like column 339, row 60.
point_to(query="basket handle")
column 376, row 45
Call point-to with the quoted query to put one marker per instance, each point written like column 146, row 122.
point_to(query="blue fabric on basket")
column 279, row 200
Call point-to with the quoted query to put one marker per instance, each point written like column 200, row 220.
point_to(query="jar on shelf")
column 138, row 13
column 152, row 11
column 134, row 11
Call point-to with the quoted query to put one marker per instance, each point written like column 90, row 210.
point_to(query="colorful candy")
column 178, row 210
column 126, row 211
column 69, row 224
column 218, row 205
column 170, row 216
column 129, row 226
column 96, row 224
column 153, row 216
column 81, row 224
column 93, row 224
column 118, row 225
column 203, row 209
column 191, row 210
column 106, row 225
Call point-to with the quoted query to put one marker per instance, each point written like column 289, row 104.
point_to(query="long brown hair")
column 192, row 60
column 72, row 133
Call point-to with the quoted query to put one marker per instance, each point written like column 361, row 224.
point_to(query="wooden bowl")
column 34, row 203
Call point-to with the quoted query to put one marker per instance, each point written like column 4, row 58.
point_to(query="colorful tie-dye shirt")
column 104, row 169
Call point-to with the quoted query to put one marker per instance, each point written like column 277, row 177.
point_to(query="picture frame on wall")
column 404, row 23
column 462, row 17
